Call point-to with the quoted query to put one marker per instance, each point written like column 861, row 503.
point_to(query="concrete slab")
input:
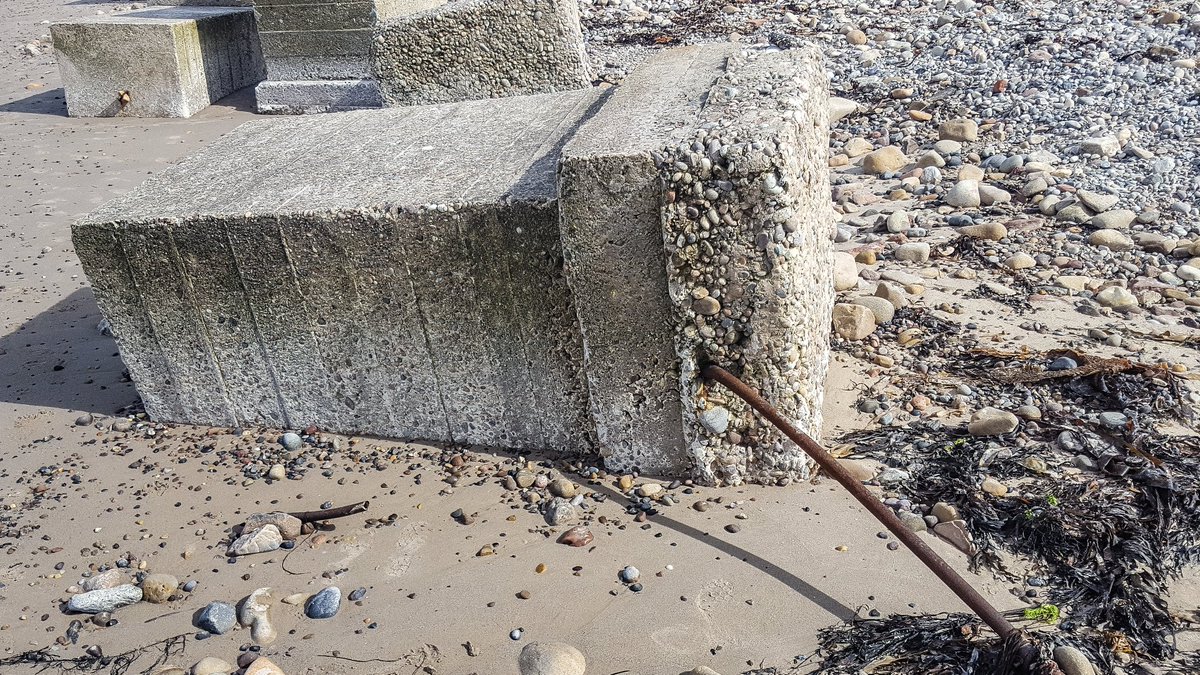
column 695, row 218
column 297, row 97
column 472, row 49
column 383, row 272
column 161, row 62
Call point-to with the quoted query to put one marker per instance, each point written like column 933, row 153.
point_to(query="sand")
column 711, row 597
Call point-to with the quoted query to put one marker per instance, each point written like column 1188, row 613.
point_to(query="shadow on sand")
column 60, row 359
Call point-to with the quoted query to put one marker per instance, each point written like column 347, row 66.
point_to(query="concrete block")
column 298, row 97
column 385, row 272
column 472, row 49
column 170, row 62
column 310, row 17
column 695, row 221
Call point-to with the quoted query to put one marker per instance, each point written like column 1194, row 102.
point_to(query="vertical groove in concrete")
column 120, row 302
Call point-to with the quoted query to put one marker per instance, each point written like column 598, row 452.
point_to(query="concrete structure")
column 700, row 191
column 471, row 49
column 539, row 272
column 161, row 62
column 318, row 53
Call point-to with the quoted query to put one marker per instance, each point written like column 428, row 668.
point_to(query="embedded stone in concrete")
column 472, row 49
column 691, row 151
column 162, row 62
column 390, row 272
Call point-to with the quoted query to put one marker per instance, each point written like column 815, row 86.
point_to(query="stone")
column 561, row 487
column 167, row 61
column 650, row 490
column 1117, row 219
column 888, row 159
column 1019, row 261
column 288, row 526
column 912, row 521
column 325, row 604
column 104, row 599
column 1117, row 297
column 262, row 666
column 715, row 419
column 158, row 588
column 217, row 618
column 992, row 422
column 845, row 271
column 944, row 512
column 880, row 308
column 1112, row 239
column 914, row 252
column 277, row 472
column 1072, row 282
column 262, row 540
column 211, row 665
column 450, row 52
column 852, row 321
column 577, row 536
column 1074, row 213
column 993, row 487
column 560, row 511
column 861, row 471
column 701, row 670
column 255, row 613
column 1188, row 273
column 964, row 194
column 841, row 107
column 961, row 129
column 169, row 670
column 955, row 532
column 947, row 146
column 525, row 479
column 857, row 147
column 990, row 231
column 106, row 579
column 1072, row 661
column 551, row 658
column 970, row 172
column 1096, row 201
column 990, row 195
column 1113, row 420
column 1105, row 146
column 629, row 574
column 892, row 294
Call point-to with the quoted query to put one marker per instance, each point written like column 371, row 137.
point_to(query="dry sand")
column 726, row 600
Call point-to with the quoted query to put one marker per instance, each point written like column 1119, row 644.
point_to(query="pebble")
column 211, row 665
column 992, row 422
column 325, row 604
column 158, row 588
column 217, row 618
column 560, row 511
column 960, row 129
column 1116, row 297
column 629, row 574
column 915, row 252
column 255, row 613
column 964, row 194
column 1112, row 239
column 944, row 512
column 845, row 271
column 107, row 579
column 993, row 487
column 277, row 472
column 1072, row 661
column 715, row 420
column 262, row 666
column 1113, row 420
column 561, row 487
column 104, row 599
column 852, row 321
column 888, row 159
column 291, row 441
column 551, row 658
column 577, row 536
column 262, row 540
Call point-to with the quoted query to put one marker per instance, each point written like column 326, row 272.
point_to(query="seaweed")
column 95, row 661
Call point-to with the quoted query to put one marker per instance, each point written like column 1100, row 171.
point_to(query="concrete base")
column 316, row 96
column 540, row 272
column 164, row 62
column 472, row 49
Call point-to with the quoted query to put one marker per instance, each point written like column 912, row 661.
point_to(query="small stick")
column 329, row 514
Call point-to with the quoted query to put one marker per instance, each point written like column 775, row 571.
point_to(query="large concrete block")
column 392, row 272
column 695, row 220
column 472, row 49
column 163, row 62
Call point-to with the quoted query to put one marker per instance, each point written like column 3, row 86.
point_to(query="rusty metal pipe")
column 830, row 465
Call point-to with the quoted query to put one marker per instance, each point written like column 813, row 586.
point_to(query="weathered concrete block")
column 471, row 49
column 316, row 96
column 168, row 62
column 720, row 155
column 387, row 272
column 327, row 42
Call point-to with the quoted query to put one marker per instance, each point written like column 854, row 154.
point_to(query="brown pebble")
column 540, row 569
column 733, row 528
column 524, row 595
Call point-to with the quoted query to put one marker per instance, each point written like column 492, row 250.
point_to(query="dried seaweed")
column 43, row 660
